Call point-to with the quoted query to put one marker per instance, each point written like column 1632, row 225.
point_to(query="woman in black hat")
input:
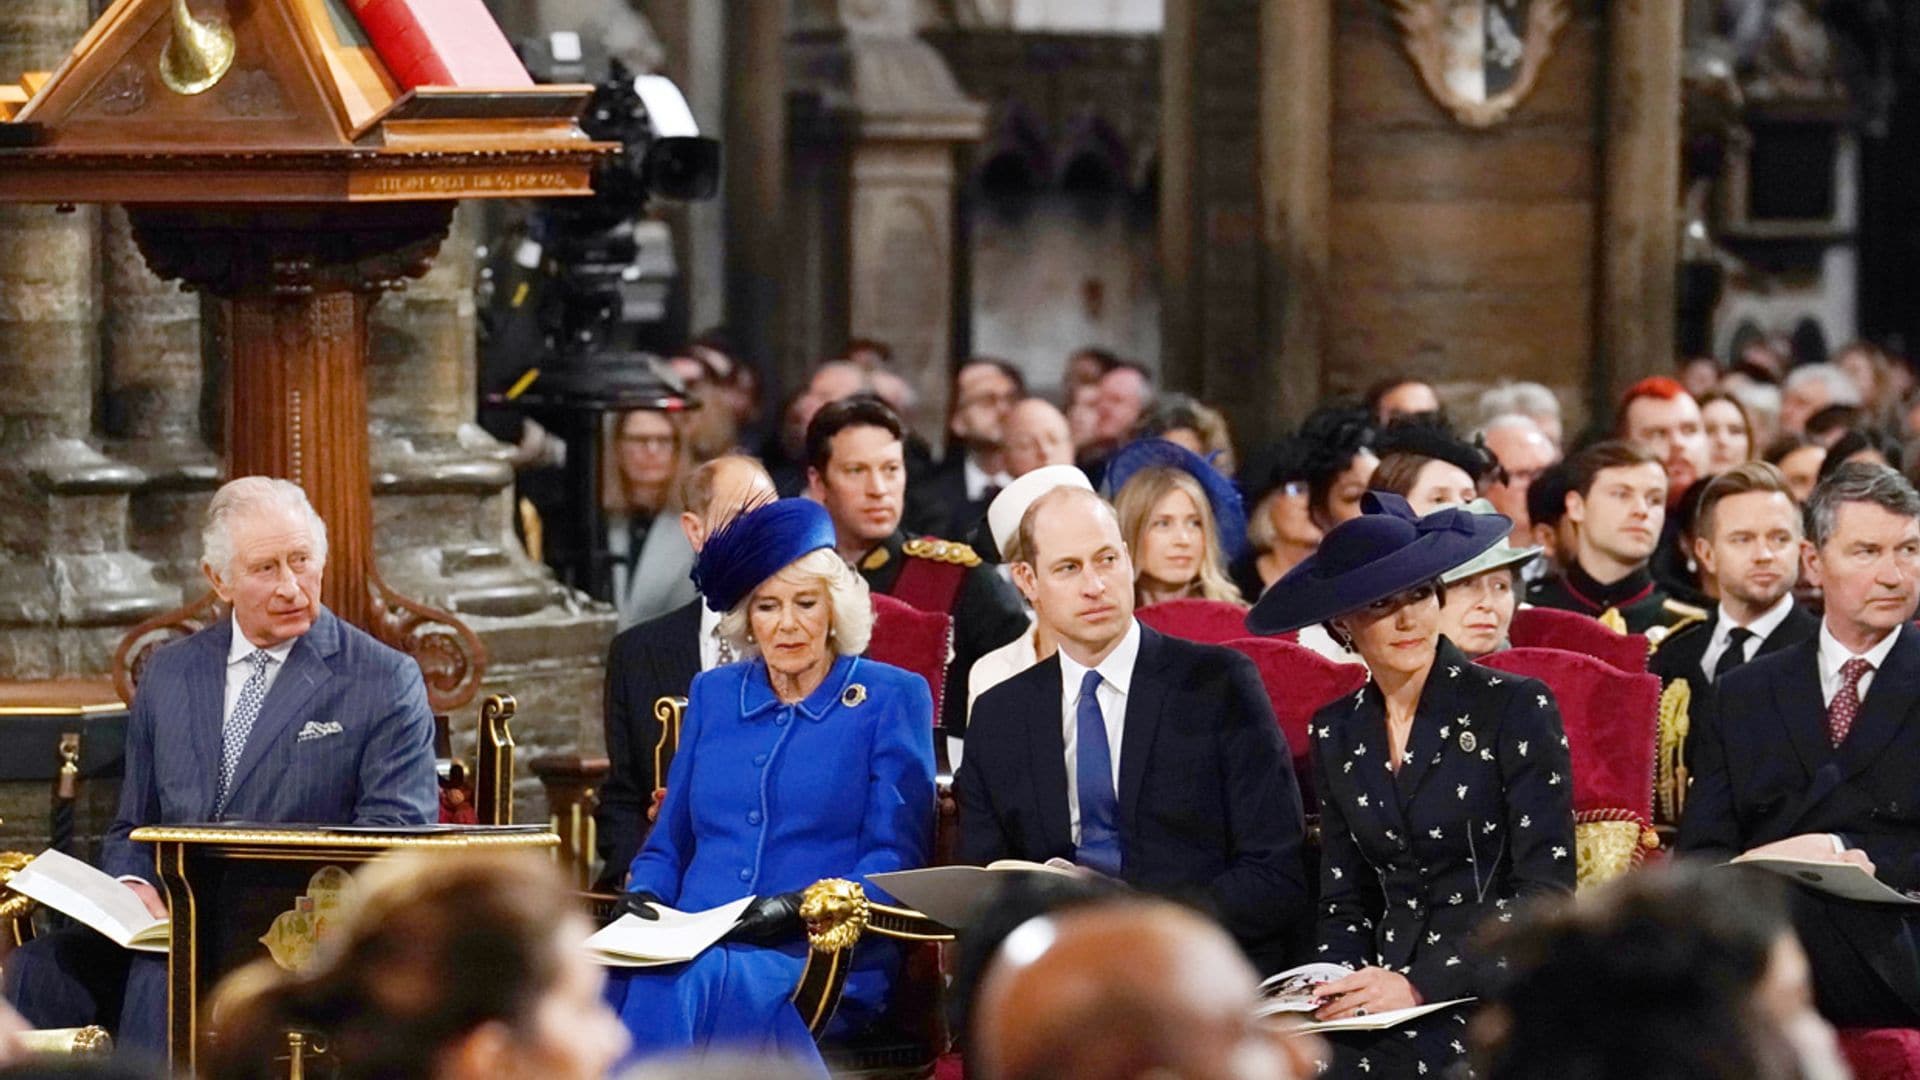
column 1446, row 791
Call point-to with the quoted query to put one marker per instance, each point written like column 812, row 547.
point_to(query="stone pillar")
column 764, row 311
column 155, row 405
column 1640, row 227
column 443, row 519
column 883, row 111
column 693, row 37
column 1217, row 281
column 68, row 584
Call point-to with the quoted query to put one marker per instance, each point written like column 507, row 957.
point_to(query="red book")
column 441, row 43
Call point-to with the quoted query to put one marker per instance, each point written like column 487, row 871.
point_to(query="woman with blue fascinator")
column 1183, row 522
column 1446, row 789
column 801, row 762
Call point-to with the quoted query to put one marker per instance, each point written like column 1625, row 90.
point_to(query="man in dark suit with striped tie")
column 1813, row 753
column 279, row 713
column 1144, row 757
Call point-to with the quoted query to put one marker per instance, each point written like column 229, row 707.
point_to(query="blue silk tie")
column 1099, row 846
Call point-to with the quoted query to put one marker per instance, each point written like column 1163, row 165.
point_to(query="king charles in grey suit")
column 282, row 713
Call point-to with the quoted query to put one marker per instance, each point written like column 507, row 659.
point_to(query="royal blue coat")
column 763, row 798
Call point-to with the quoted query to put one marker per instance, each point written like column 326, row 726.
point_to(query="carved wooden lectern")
column 242, row 893
column 266, row 155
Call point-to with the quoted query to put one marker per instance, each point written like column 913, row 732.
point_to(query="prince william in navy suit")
column 282, row 713
column 1147, row 758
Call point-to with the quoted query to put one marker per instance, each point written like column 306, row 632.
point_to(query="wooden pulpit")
column 243, row 893
column 267, row 154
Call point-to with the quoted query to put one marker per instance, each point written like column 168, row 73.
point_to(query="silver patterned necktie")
column 725, row 653
column 233, row 734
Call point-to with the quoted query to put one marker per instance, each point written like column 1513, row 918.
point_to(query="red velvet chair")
column 1299, row 682
column 919, row 641
column 1552, row 629
column 1612, row 722
column 1882, row 1053
column 1214, row 622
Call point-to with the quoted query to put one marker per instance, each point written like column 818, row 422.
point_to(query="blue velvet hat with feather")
column 1229, row 513
column 757, row 544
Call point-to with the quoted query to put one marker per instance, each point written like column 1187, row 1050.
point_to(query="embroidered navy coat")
column 1478, row 818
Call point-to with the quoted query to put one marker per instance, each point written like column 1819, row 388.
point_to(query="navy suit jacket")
column 645, row 663
column 1765, row 769
column 1209, row 809
column 377, row 769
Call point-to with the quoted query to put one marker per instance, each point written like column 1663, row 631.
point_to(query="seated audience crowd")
column 1114, row 575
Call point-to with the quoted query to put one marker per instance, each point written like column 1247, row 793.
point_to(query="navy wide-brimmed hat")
column 1229, row 513
column 756, row 545
column 1387, row 549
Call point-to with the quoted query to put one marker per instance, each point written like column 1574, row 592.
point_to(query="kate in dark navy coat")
column 1446, row 788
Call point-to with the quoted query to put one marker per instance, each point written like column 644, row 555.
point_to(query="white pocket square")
column 317, row 730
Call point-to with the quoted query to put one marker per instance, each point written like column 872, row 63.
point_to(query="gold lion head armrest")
column 67, row 1041
column 838, row 914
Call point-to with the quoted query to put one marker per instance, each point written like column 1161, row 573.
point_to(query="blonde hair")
column 1135, row 504
column 851, row 622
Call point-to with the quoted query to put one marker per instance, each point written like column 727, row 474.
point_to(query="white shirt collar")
column 709, row 620
column 978, row 480
column 242, row 648
column 1833, row 655
column 1116, row 669
column 1762, row 627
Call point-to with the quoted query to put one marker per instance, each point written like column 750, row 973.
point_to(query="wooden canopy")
column 273, row 101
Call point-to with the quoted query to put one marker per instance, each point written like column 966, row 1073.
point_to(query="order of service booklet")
column 1848, row 881
column 674, row 938
column 949, row 895
column 73, row 888
column 1291, row 991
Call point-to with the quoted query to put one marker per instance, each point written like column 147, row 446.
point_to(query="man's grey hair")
column 1858, row 482
column 238, row 498
column 1529, row 399
column 1841, row 389
column 1503, row 421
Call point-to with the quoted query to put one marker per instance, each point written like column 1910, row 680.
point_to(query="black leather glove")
column 634, row 903
column 769, row 919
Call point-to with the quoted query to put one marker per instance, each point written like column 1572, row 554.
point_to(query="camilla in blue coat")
column 803, row 762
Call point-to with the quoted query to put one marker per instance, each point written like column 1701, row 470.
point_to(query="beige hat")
column 1008, row 507
column 1497, row 557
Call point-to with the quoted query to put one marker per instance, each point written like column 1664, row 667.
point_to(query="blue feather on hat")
column 757, row 544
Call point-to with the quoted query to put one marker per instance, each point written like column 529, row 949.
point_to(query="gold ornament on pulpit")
column 199, row 55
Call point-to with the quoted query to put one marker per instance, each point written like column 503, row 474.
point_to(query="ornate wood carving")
column 451, row 656
column 130, row 659
column 1433, row 36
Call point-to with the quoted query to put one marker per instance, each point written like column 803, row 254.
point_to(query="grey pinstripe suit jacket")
column 376, row 769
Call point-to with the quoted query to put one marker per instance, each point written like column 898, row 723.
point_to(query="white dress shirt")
column 1762, row 627
column 1116, row 677
column 710, row 638
column 1834, row 656
column 978, row 480
column 238, row 669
